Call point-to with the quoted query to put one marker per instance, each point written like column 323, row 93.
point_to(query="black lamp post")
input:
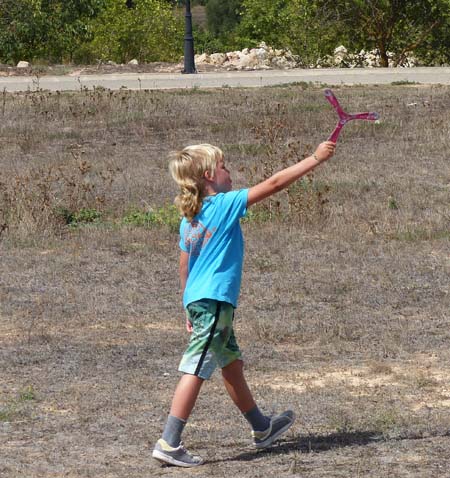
column 189, row 63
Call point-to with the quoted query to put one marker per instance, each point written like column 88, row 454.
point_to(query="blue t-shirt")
column 214, row 242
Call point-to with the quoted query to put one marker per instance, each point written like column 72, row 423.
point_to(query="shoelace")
column 183, row 449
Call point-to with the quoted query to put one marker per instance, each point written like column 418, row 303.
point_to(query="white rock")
column 133, row 62
column 218, row 58
column 203, row 58
column 340, row 50
column 247, row 61
column 23, row 64
column 281, row 62
column 263, row 45
column 291, row 57
column 233, row 56
column 261, row 53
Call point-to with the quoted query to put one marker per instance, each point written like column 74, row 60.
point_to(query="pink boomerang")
column 345, row 117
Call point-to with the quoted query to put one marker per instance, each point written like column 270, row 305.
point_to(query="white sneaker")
column 175, row 456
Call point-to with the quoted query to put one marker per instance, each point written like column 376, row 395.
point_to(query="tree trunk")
column 384, row 59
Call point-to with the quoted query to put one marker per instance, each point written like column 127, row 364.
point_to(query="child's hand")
column 324, row 151
column 189, row 327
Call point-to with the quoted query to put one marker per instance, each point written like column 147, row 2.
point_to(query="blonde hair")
column 188, row 168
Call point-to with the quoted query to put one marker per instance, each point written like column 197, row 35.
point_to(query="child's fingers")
column 325, row 150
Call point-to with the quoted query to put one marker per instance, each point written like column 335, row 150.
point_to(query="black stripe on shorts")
column 208, row 343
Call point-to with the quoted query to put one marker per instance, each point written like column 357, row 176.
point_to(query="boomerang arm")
column 335, row 134
column 371, row 116
column 329, row 95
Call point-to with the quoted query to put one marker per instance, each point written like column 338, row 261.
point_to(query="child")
column 210, row 272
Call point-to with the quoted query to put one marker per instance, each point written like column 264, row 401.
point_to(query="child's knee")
column 235, row 367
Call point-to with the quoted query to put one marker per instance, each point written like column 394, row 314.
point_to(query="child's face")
column 222, row 178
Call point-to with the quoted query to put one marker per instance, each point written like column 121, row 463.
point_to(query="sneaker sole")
column 173, row 461
column 271, row 439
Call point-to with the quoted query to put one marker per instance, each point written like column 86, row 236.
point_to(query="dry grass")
column 344, row 309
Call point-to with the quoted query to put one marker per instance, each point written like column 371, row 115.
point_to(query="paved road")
column 136, row 81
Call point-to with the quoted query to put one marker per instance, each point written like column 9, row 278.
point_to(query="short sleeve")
column 234, row 205
column 182, row 244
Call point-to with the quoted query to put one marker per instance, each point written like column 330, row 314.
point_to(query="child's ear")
column 208, row 176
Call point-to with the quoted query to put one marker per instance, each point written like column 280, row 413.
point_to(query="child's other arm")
column 184, row 262
column 284, row 178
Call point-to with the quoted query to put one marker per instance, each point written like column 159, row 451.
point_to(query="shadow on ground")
column 308, row 444
column 318, row 444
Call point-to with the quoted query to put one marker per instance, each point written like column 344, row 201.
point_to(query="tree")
column 294, row 24
column 398, row 26
column 21, row 26
column 223, row 16
column 67, row 26
column 148, row 32
column 50, row 30
column 314, row 28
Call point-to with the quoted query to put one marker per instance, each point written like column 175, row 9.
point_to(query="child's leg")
column 183, row 402
column 169, row 449
column 185, row 396
column 236, row 385
column 265, row 429
column 237, row 388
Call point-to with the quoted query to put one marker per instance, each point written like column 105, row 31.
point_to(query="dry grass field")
column 344, row 314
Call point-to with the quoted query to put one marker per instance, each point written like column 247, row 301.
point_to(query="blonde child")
column 211, row 259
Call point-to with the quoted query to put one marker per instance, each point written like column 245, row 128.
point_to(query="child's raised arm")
column 284, row 178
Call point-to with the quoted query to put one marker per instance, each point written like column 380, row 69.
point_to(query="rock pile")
column 262, row 58
column 266, row 58
column 364, row 59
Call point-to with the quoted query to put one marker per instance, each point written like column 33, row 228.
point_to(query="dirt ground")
column 344, row 313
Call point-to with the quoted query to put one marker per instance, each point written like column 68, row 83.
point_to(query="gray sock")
column 173, row 430
column 257, row 420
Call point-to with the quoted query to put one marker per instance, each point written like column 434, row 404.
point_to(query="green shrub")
column 295, row 24
column 148, row 32
column 45, row 31
column 163, row 216
column 223, row 16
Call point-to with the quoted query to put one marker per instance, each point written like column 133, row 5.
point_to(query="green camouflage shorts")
column 212, row 341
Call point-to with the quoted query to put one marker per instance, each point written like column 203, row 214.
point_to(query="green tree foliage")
column 51, row 30
column 314, row 28
column 148, row 32
column 294, row 24
column 86, row 30
column 435, row 50
column 398, row 26
column 223, row 16
column 21, row 26
column 67, row 27
column 221, row 33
